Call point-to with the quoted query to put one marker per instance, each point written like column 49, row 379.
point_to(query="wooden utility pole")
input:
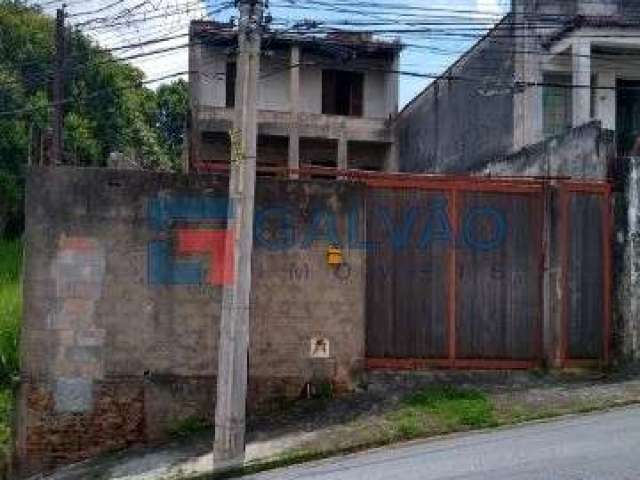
column 229, row 444
column 57, row 145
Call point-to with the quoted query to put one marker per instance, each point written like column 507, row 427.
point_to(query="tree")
column 79, row 140
column 108, row 109
column 13, row 147
column 171, row 115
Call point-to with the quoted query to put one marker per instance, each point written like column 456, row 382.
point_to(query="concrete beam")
column 601, row 37
column 312, row 125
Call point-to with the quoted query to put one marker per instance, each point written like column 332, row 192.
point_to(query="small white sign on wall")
column 319, row 347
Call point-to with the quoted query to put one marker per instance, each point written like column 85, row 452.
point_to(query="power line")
column 188, row 44
column 324, row 27
column 99, row 10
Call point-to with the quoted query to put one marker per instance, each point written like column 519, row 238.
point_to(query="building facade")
column 323, row 101
column 547, row 68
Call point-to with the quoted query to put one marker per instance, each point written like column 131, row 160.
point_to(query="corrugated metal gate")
column 586, row 251
column 455, row 272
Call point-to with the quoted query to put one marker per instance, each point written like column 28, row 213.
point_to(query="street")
column 598, row 447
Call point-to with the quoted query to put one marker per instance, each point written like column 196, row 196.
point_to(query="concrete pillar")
column 194, row 135
column 527, row 108
column 343, row 154
column 392, row 86
column 294, row 151
column 606, row 100
column 294, row 108
column 392, row 163
column 581, row 81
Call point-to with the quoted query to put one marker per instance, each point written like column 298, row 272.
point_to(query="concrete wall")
column 580, row 7
column 208, row 77
column 119, row 339
column 273, row 86
column 464, row 117
column 627, row 258
column 584, row 153
column 273, row 89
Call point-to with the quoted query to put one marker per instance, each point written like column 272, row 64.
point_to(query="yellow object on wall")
column 334, row 256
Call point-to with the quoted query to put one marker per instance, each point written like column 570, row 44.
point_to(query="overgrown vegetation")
column 441, row 408
column 108, row 108
column 10, row 319
column 10, row 308
column 188, row 426
column 6, row 405
column 435, row 411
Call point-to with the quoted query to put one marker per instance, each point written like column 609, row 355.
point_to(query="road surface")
column 594, row 447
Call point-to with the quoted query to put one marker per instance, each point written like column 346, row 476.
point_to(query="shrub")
column 10, row 309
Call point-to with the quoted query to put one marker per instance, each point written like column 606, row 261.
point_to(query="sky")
column 115, row 24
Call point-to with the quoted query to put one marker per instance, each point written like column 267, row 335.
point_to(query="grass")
column 188, row 426
column 10, row 308
column 444, row 408
column 428, row 413
column 6, row 404
column 425, row 413
column 10, row 319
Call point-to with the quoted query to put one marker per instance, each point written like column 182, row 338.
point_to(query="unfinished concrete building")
column 323, row 101
column 548, row 67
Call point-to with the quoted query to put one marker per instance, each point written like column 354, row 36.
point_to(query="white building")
column 586, row 54
column 323, row 101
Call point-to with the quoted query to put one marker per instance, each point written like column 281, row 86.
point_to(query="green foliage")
column 171, row 115
column 11, row 204
column 188, row 426
column 6, row 404
column 10, row 309
column 108, row 109
column 465, row 407
column 10, row 320
column 442, row 408
column 13, row 133
column 80, row 141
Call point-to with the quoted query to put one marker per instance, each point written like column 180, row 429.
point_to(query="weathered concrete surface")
column 290, row 100
column 352, row 420
column 627, row 257
column 120, row 325
column 297, row 296
column 122, row 303
column 581, row 7
column 584, row 153
column 460, row 121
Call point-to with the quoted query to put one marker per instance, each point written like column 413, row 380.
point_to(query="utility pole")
column 57, row 145
column 230, row 421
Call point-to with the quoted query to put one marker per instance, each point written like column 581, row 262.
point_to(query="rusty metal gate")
column 585, row 237
column 455, row 272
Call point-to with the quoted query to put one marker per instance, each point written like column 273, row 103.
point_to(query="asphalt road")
column 599, row 447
